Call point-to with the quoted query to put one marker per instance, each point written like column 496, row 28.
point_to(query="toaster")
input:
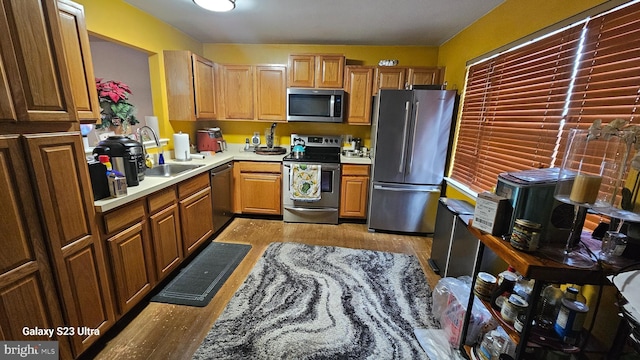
column 211, row 140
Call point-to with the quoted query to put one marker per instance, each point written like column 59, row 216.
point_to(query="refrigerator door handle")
column 413, row 137
column 404, row 136
column 408, row 188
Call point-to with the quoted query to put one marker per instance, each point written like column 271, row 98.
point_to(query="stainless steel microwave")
column 315, row 105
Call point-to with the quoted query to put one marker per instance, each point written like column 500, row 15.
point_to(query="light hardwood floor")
column 164, row 331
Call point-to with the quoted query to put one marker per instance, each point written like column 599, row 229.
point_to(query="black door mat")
column 199, row 281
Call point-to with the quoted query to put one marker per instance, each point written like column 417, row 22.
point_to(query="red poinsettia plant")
column 115, row 109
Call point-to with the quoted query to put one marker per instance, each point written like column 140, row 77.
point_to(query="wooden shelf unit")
column 531, row 266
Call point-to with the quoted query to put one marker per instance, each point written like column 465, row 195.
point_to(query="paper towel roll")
column 152, row 122
column 181, row 146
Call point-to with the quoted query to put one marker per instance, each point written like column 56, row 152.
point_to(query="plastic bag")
column 450, row 299
column 434, row 342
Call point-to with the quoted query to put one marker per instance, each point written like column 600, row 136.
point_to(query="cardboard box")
column 492, row 214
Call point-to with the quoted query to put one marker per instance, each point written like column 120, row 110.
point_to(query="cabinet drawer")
column 192, row 185
column 123, row 216
column 350, row 169
column 161, row 199
column 261, row 167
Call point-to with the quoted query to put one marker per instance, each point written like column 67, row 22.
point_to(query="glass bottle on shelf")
column 549, row 305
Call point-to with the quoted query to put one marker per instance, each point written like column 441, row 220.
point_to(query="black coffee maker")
column 126, row 157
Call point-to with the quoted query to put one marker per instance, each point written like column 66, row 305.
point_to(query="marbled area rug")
column 320, row 302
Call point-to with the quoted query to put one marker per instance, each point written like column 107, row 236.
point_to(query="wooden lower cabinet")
column 28, row 294
column 65, row 201
column 164, row 225
column 354, row 191
column 167, row 240
column 258, row 188
column 196, row 217
column 128, row 246
column 131, row 266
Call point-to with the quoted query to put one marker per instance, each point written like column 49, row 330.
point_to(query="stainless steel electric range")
column 320, row 150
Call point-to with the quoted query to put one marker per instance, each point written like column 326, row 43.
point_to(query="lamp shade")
column 216, row 5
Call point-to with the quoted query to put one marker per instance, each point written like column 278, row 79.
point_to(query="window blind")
column 607, row 81
column 518, row 106
column 512, row 110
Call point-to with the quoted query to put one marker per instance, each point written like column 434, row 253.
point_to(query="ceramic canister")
column 515, row 306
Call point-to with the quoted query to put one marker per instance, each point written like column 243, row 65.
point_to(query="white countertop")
column 151, row 184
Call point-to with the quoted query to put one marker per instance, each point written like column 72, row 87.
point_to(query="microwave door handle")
column 332, row 103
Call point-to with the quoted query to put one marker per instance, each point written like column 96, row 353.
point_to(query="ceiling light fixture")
column 216, row 5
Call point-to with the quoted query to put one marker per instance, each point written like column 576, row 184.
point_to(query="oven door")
column 324, row 210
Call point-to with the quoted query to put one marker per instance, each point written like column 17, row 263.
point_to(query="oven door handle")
column 310, row 209
column 324, row 167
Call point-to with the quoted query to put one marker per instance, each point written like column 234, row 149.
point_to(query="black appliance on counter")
column 99, row 182
column 126, row 155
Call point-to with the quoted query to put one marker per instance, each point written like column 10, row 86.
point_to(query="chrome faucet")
column 157, row 140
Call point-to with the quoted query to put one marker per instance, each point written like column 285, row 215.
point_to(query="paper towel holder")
column 187, row 153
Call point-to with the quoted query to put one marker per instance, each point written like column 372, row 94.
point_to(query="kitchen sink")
column 276, row 150
column 170, row 169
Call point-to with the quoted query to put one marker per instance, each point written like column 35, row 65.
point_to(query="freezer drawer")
column 404, row 208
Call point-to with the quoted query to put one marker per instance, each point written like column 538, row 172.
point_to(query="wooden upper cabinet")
column 76, row 46
column 316, row 70
column 389, row 78
column 271, row 92
column 33, row 55
column 301, row 70
column 204, row 87
column 329, row 71
column 425, row 76
column 359, row 85
column 237, row 92
column 191, row 86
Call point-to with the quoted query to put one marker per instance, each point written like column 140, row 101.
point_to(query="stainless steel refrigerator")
column 410, row 141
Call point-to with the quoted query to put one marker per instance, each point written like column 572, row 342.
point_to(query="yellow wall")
column 512, row 20
column 122, row 23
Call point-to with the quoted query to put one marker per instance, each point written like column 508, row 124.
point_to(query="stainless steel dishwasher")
column 222, row 193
